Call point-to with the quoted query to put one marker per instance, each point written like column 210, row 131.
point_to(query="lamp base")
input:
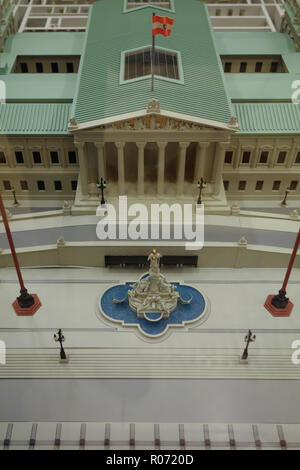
column 27, row 311
column 278, row 312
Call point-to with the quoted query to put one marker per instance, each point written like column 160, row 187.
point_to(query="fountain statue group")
column 153, row 294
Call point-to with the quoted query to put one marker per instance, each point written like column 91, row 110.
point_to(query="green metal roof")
column 254, row 86
column 268, row 118
column 39, row 87
column 34, row 118
column 61, row 43
column 260, row 86
column 110, row 31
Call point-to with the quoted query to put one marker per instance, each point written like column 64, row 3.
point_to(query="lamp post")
column 201, row 185
column 249, row 338
column 102, row 186
column 59, row 337
column 13, row 190
column 284, row 203
column 25, row 304
column 279, row 305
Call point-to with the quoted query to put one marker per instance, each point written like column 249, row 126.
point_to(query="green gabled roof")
column 41, row 44
column 34, row 118
column 110, row 31
column 268, row 118
column 40, row 87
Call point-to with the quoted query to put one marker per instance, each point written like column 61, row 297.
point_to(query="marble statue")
column 153, row 293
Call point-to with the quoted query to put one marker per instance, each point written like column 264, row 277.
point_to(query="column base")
column 278, row 312
column 29, row 311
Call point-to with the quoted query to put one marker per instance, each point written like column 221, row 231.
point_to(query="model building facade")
column 76, row 81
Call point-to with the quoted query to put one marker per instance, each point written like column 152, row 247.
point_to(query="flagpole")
column 153, row 55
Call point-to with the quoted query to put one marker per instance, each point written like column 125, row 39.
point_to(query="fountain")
column 152, row 297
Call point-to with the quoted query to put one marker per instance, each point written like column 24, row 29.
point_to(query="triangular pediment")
column 153, row 118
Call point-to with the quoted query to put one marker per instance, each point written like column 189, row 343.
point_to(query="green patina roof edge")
column 254, row 118
column 34, row 118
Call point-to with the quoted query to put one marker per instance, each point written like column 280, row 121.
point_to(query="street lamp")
column 13, row 190
column 279, row 305
column 59, row 337
column 249, row 338
column 287, row 191
column 102, row 186
column 201, row 185
column 26, row 304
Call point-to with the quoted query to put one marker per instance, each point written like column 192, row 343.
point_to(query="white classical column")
column 199, row 164
column 100, row 159
column 218, row 167
column 161, row 167
column 272, row 159
column 82, row 158
column 141, row 166
column 291, row 154
column 121, row 168
column 181, row 166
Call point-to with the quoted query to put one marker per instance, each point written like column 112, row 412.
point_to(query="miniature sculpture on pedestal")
column 153, row 294
column 152, row 305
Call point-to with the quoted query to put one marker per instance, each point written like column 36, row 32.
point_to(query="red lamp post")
column 26, row 304
column 279, row 305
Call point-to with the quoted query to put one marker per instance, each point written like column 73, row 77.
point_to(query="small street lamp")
column 59, row 337
column 13, row 190
column 287, row 191
column 102, row 186
column 201, row 185
column 249, row 338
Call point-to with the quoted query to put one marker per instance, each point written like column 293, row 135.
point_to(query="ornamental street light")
column 249, row 338
column 25, row 304
column 59, row 337
column 102, row 186
column 279, row 305
column 201, row 185
column 287, row 191
column 13, row 190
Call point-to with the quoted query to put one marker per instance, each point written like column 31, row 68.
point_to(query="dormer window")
column 132, row 4
column 137, row 64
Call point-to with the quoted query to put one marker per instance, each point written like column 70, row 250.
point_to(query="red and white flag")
column 162, row 25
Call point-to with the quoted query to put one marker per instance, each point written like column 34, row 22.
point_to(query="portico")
column 151, row 156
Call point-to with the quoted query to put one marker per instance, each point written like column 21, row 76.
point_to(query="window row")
column 259, row 185
column 244, row 67
column 37, row 157
column 41, row 186
column 263, row 157
column 46, row 64
column 253, row 64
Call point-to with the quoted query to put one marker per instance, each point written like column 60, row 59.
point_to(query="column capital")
column 162, row 144
column 203, row 144
column 184, row 145
column 120, row 145
column 79, row 144
column 99, row 145
column 141, row 145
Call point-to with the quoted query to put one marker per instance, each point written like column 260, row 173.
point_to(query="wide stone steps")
column 136, row 365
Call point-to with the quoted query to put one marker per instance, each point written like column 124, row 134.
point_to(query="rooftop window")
column 131, row 4
column 253, row 64
column 46, row 64
column 137, row 64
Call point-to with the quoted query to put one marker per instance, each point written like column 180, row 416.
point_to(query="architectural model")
column 150, row 196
